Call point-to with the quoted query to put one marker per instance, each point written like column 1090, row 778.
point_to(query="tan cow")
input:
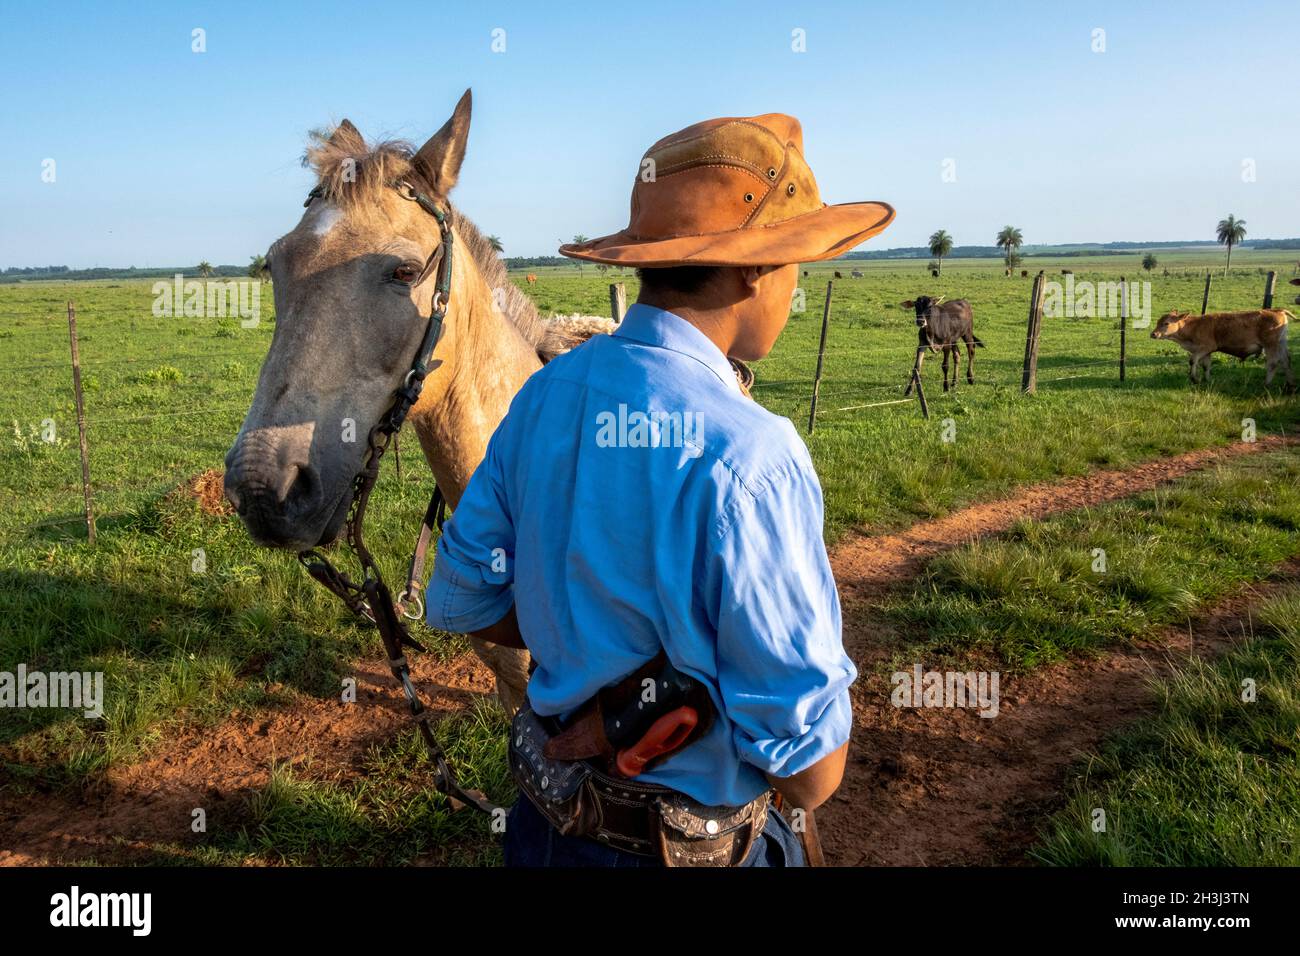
column 532, row 279
column 1240, row 334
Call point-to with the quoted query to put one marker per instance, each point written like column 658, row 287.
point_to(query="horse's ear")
column 438, row 160
column 343, row 132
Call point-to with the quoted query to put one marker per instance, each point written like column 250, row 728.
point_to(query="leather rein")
column 370, row 599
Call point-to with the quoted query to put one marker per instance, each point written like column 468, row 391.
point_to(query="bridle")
column 370, row 599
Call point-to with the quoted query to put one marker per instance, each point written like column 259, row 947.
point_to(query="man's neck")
column 719, row 325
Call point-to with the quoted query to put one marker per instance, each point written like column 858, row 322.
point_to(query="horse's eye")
column 406, row 273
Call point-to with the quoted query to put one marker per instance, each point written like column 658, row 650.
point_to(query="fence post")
column 1123, row 325
column 617, row 301
column 920, row 392
column 821, row 352
column 1205, row 299
column 1029, row 378
column 81, row 423
column 1270, row 286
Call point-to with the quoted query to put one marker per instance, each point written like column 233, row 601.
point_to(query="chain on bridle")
column 370, row 598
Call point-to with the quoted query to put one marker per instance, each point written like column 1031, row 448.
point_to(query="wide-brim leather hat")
column 734, row 191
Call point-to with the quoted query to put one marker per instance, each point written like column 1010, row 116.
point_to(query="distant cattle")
column 856, row 273
column 1295, row 281
column 1067, row 272
column 934, row 273
column 805, row 272
column 837, row 274
column 531, row 279
column 944, row 325
column 1239, row 334
column 1024, row 273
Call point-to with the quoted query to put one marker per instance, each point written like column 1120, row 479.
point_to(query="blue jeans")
column 532, row 841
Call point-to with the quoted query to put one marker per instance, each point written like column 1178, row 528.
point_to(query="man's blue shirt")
column 633, row 498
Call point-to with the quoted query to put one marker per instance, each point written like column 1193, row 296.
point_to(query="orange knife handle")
column 665, row 735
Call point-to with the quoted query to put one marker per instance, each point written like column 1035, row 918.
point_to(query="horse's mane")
column 354, row 175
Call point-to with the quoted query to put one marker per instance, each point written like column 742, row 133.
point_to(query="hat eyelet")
column 749, row 197
column 771, row 172
column 790, row 190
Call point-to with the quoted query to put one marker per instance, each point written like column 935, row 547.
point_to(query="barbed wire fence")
column 47, row 337
column 866, row 396
column 798, row 395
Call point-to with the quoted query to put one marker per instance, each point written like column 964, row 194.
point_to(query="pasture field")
column 190, row 622
column 1183, row 786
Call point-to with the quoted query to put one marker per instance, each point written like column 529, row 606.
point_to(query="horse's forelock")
column 355, row 175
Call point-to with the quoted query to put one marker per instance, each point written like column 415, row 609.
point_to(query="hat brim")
column 821, row 234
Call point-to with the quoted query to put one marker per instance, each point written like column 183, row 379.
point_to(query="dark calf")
column 944, row 325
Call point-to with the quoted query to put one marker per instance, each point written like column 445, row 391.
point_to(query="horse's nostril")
column 304, row 487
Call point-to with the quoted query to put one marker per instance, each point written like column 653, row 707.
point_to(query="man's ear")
column 438, row 160
column 749, row 276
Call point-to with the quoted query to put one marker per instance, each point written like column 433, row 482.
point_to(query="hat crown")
column 721, row 175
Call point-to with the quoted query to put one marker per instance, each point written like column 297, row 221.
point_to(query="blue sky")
column 165, row 157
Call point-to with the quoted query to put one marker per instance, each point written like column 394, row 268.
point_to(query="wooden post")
column 617, row 301
column 1205, row 299
column 81, row 423
column 821, row 352
column 920, row 392
column 1270, row 286
column 1123, row 325
column 1029, row 378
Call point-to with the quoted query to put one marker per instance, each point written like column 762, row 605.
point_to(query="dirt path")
column 865, row 565
column 150, row 803
column 924, row 786
column 942, row 787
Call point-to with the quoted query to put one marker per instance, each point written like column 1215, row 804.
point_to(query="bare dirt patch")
column 208, row 490
column 147, row 804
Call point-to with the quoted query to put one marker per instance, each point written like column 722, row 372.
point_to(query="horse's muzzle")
column 282, row 508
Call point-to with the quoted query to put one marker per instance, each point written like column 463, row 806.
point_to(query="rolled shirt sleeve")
column 782, row 671
column 472, row 585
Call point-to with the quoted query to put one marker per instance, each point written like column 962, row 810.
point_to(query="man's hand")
column 506, row 633
column 809, row 789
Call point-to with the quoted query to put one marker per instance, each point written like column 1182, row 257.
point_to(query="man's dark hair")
column 683, row 280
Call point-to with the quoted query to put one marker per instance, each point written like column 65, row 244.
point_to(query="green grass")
column 1212, row 780
column 1031, row 596
column 165, row 397
column 386, row 813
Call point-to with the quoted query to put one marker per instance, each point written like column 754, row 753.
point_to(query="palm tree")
column 1009, row 240
column 257, row 268
column 940, row 246
column 205, row 269
column 1230, row 233
column 495, row 243
column 1149, row 262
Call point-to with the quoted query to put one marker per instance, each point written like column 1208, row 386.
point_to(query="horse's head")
column 352, row 296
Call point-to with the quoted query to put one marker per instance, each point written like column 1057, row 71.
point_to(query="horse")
column 350, row 304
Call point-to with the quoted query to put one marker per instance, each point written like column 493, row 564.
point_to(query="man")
column 654, row 537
